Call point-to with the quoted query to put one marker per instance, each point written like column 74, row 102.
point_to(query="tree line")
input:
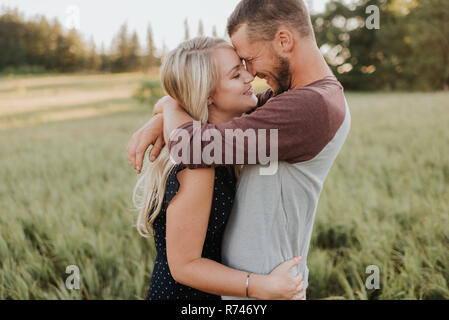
column 42, row 45
column 410, row 50
column 39, row 45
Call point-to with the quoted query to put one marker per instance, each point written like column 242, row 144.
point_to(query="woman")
column 188, row 209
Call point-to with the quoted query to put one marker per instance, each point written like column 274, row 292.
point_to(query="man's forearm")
column 174, row 116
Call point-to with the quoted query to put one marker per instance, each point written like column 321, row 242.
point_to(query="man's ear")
column 284, row 41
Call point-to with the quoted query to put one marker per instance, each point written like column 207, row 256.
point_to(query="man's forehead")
column 240, row 42
column 241, row 53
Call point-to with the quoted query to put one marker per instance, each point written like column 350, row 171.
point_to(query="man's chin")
column 274, row 87
column 276, row 90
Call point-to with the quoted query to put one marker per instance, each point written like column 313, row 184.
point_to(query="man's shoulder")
column 318, row 89
column 320, row 92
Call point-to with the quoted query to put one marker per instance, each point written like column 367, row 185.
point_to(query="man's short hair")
column 265, row 17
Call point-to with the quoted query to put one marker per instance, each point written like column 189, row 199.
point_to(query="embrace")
column 222, row 229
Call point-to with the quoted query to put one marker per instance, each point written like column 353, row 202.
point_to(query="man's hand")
column 152, row 133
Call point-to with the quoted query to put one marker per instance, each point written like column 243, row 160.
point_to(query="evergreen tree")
column 200, row 28
column 13, row 51
column 134, row 62
column 164, row 49
column 93, row 61
column 121, row 50
column 186, row 30
column 151, row 59
column 105, row 59
column 40, row 45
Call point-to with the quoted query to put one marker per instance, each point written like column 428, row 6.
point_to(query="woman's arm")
column 187, row 220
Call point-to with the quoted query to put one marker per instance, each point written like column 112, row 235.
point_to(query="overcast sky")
column 102, row 19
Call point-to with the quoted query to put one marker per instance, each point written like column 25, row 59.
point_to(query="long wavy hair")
column 188, row 75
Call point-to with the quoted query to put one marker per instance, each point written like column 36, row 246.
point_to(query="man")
column 273, row 215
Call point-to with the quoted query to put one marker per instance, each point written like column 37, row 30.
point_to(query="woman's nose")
column 249, row 77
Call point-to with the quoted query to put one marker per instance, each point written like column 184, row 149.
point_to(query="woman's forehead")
column 227, row 57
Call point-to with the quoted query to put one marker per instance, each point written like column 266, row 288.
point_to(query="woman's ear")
column 210, row 101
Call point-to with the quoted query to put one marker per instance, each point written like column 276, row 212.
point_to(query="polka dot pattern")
column 163, row 286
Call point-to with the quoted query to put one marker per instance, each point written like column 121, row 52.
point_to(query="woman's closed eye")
column 239, row 73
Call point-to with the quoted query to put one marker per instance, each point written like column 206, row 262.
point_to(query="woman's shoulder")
column 192, row 176
column 180, row 174
column 188, row 182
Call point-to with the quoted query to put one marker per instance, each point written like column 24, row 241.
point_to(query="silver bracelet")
column 247, row 282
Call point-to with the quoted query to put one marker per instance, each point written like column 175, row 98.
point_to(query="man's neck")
column 308, row 66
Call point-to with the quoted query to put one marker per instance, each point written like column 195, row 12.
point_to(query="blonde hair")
column 188, row 74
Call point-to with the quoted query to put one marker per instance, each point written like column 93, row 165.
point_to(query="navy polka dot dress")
column 163, row 286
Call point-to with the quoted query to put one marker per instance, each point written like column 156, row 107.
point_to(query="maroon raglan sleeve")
column 262, row 98
column 304, row 119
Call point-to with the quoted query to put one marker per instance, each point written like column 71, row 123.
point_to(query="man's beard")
column 281, row 76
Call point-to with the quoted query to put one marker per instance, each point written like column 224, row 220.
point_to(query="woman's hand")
column 281, row 285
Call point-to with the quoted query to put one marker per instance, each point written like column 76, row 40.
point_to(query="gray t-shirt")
column 273, row 215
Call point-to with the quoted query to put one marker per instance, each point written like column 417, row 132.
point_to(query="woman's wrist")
column 258, row 286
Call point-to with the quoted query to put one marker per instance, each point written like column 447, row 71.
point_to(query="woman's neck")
column 216, row 117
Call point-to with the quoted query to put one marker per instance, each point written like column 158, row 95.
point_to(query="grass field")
column 66, row 185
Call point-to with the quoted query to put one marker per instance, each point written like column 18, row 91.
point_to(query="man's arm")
column 174, row 116
column 300, row 123
column 152, row 132
column 294, row 127
column 149, row 134
column 289, row 127
column 262, row 98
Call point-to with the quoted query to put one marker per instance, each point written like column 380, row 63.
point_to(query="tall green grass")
column 65, row 199
column 386, row 202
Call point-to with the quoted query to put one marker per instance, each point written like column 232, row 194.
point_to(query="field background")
column 66, row 185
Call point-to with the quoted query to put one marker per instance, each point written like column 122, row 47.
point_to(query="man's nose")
column 250, row 69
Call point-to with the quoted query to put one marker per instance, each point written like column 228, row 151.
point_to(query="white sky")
column 103, row 18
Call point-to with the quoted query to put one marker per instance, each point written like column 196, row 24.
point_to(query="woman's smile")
column 249, row 92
